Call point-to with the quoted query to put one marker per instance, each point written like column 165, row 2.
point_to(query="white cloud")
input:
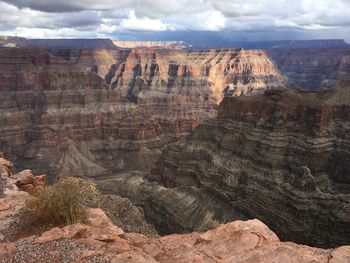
column 142, row 24
column 110, row 17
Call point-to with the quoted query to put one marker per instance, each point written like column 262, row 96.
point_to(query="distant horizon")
column 175, row 40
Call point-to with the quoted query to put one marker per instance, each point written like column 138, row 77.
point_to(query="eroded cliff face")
column 281, row 157
column 312, row 69
column 180, row 88
column 93, row 110
column 119, row 238
column 61, row 118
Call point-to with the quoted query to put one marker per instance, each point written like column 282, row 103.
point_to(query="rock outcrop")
column 100, row 241
column 281, row 157
column 14, row 191
column 87, row 112
column 94, row 111
column 62, row 119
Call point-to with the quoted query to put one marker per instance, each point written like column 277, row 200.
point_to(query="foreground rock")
column 100, row 241
column 14, row 191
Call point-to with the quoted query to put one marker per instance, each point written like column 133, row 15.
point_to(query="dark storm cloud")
column 62, row 5
column 164, row 18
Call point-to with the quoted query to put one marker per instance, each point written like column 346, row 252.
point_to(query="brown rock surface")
column 312, row 69
column 14, row 191
column 62, row 119
column 240, row 241
column 281, row 157
column 90, row 112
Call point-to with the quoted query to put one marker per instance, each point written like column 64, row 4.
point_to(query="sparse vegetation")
column 60, row 204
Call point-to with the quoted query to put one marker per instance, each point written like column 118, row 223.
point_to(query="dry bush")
column 61, row 204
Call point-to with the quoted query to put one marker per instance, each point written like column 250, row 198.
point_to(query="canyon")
column 281, row 157
column 93, row 111
column 99, row 239
column 194, row 138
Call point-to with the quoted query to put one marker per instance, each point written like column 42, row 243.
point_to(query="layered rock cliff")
column 98, row 239
column 93, row 110
column 180, row 88
column 164, row 93
column 312, row 69
column 281, row 157
column 61, row 118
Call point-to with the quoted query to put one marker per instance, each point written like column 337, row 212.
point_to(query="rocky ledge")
column 100, row 241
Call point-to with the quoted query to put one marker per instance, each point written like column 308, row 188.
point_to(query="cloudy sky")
column 176, row 19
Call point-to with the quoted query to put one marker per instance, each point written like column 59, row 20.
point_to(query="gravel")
column 62, row 251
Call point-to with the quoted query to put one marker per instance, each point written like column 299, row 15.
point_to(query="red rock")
column 55, row 233
column 97, row 218
column 133, row 257
column 340, row 255
column 24, row 177
column 29, row 188
column 27, row 182
column 7, row 251
column 74, row 231
column 237, row 242
column 40, row 181
column 90, row 253
column 5, row 205
column 5, row 163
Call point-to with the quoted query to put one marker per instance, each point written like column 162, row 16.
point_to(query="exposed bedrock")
column 179, row 88
column 90, row 111
column 281, row 157
column 61, row 118
column 312, row 69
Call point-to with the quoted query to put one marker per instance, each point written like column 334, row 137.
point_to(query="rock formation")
column 61, row 118
column 312, row 69
column 100, row 241
column 97, row 239
column 14, row 191
column 281, row 157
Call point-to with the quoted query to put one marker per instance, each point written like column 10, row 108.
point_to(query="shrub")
column 60, row 204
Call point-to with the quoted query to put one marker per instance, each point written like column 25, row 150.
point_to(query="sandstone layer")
column 92, row 111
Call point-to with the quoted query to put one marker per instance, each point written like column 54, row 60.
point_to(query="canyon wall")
column 155, row 95
column 312, row 69
column 118, row 232
column 96, row 110
column 281, row 157
column 61, row 118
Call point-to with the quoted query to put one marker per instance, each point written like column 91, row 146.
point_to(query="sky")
column 225, row 20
